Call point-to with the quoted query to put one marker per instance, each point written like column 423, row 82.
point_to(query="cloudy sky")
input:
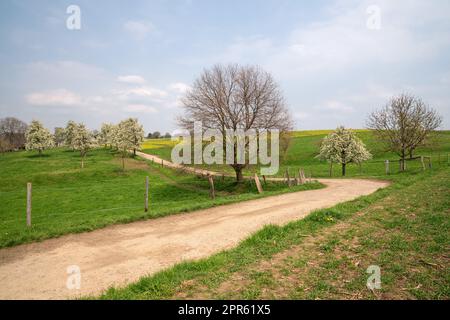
column 335, row 61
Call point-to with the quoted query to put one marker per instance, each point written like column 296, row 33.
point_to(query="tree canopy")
column 38, row 137
column 343, row 146
column 235, row 97
column 404, row 124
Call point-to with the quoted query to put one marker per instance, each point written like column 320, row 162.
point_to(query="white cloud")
column 138, row 29
column 59, row 97
column 140, row 108
column 179, row 87
column 132, row 79
column 140, row 92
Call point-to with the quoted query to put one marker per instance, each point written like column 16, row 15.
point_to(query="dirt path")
column 169, row 164
column 120, row 254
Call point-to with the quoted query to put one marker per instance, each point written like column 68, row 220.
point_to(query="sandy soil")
column 121, row 254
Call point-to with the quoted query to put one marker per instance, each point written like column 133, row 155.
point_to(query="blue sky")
column 137, row 58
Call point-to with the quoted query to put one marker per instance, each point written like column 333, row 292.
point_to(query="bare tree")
column 404, row 124
column 4, row 145
column 236, row 97
column 13, row 131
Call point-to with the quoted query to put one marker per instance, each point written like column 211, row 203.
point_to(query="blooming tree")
column 82, row 141
column 343, row 146
column 38, row 137
column 128, row 135
column 106, row 134
column 69, row 133
column 59, row 136
column 134, row 132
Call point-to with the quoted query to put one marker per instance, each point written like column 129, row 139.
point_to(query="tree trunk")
column 239, row 176
column 343, row 169
column 402, row 161
column 82, row 162
column 40, row 152
column 134, row 152
column 123, row 163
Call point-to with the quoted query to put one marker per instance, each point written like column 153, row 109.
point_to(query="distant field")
column 67, row 199
column 305, row 145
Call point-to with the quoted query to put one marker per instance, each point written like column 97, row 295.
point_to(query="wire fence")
column 113, row 195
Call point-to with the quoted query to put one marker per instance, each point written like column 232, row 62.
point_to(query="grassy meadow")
column 67, row 199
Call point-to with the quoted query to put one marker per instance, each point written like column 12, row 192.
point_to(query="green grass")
column 67, row 199
column 403, row 228
column 304, row 147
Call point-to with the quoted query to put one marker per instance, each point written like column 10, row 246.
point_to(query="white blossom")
column 69, row 133
column 106, row 134
column 38, row 137
column 82, row 140
column 343, row 146
column 128, row 135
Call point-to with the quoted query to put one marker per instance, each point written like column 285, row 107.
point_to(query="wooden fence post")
column 331, row 168
column 300, row 176
column 302, row 173
column 29, row 190
column 146, row 193
column 258, row 184
column 212, row 192
column 386, row 167
column 288, row 179
column 162, row 163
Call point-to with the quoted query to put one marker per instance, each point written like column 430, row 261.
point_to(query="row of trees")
column 157, row 135
column 403, row 125
column 246, row 97
column 125, row 136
